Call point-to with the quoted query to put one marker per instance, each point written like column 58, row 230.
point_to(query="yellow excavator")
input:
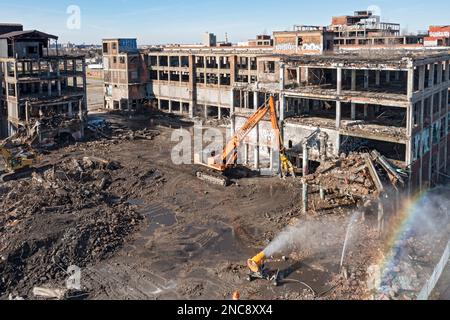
column 228, row 158
column 18, row 161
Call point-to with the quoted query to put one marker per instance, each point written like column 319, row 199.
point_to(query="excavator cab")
column 18, row 161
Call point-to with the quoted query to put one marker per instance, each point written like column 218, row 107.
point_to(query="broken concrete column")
column 282, row 106
column 69, row 109
column 305, row 197
column 246, row 100
column 410, row 84
column 447, row 71
column 431, row 76
column 82, row 118
column 271, row 158
column 338, row 114
column 256, row 157
column 232, row 113
column 337, row 148
column 246, row 153
column 440, row 72
column 339, row 81
column 377, row 77
column 191, row 109
column 282, row 76
column 170, row 106
column 353, row 80
column 422, row 78
column 366, row 79
column 353, row 111
column 307, row 104
column 305, row 160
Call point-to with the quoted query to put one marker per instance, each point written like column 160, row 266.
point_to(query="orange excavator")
column 228, row 158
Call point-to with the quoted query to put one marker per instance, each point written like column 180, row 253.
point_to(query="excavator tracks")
column 211, row 176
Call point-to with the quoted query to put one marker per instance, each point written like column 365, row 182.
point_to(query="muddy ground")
column 147, row 229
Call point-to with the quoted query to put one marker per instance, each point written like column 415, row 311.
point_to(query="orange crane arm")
column 229, row 154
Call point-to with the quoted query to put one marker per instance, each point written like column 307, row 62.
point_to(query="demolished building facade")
column 42, row 92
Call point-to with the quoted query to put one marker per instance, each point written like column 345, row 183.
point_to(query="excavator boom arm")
column 229, row 153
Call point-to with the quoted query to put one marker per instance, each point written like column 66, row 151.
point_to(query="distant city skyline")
column 177, row 21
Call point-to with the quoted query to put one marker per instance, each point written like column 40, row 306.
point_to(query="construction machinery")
column 19, row 161
column 258, row 270
column 229, row 156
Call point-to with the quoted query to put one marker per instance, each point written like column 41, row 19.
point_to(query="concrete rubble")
column 94, row 222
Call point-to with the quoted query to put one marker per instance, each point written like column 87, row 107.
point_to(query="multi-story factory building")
column 395, row 103
column 37, row 85
column 125, row 74
column 394, row 100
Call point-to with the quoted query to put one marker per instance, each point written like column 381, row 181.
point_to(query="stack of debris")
column 358, row 175
column 66, row 216
column 56, row 122
column 119, row 132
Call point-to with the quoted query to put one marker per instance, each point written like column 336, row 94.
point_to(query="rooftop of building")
column 399, row 57
column 116, row 39
column 3, row 24
column 28, row 34
column 204, row 49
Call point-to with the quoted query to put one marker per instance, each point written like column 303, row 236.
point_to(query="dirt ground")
column 145, row 228
column 193, row 240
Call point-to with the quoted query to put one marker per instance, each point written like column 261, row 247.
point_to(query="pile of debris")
column 56, row 122
column 64, row 217
column 360, row 175
column 115, row 131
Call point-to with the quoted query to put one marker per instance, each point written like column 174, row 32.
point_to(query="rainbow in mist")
column 402, row 226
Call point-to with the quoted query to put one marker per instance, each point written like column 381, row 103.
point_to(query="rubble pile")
column 379, row 129
column 359, row 175
column 66, row 216
column 347, row 176
column 117, row 132
column 57, row 121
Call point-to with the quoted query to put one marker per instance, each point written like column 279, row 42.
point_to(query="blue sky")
column 178, row 21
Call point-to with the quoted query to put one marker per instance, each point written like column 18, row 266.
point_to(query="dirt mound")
column 66, row 216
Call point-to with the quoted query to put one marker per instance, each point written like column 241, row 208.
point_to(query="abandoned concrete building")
column 42, row 92
column 394, row 100
column 395, row 103
column 364, row 28
column 125, row 74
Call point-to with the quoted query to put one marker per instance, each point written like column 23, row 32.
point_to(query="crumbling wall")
column 294, row 135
